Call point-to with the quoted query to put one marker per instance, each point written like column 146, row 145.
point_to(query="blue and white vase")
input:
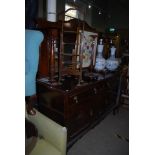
column 112, row 63
column 100, row 61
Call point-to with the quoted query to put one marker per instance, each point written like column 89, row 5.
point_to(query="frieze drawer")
column 81, row 97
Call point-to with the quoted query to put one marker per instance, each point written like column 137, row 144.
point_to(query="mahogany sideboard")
column 79, row 108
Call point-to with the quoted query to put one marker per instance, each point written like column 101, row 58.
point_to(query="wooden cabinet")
column 77, row 107
column 76, row 101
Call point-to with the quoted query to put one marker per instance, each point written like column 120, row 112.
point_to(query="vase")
column 100, row 61
column 112, row 63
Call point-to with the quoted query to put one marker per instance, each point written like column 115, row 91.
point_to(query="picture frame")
column 88, row 42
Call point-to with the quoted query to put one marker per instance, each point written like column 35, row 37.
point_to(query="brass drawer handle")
column 76, row 99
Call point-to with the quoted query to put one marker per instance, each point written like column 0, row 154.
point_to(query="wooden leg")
column 30, row 100
column 116, row 110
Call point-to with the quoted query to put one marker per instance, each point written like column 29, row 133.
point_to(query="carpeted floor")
column 110, row 137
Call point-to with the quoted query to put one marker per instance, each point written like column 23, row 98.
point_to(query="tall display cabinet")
column 69, row 90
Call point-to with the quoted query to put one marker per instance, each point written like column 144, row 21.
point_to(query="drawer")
column 81, row 97
column 87, row 96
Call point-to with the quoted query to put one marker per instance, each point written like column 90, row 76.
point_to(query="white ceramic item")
column 112, row 63
column 100, row 61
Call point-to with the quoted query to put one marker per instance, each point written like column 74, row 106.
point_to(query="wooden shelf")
column 67, row 54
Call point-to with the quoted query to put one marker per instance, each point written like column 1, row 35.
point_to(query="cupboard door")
column 81, row 113
column 111, row 86
column 98, row 100
column 79, row 119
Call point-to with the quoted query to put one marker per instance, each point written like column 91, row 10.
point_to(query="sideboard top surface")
column 69, row 84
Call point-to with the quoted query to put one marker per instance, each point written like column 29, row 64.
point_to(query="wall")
column 31, row 13
column 61, row 7
column 115, row 15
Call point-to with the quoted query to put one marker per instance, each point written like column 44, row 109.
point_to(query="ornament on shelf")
column 100, row 61
column 112, row 62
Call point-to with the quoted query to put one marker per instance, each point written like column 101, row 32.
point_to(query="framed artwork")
column 88, row 48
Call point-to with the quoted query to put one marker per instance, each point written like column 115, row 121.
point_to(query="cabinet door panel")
column 80, row 116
